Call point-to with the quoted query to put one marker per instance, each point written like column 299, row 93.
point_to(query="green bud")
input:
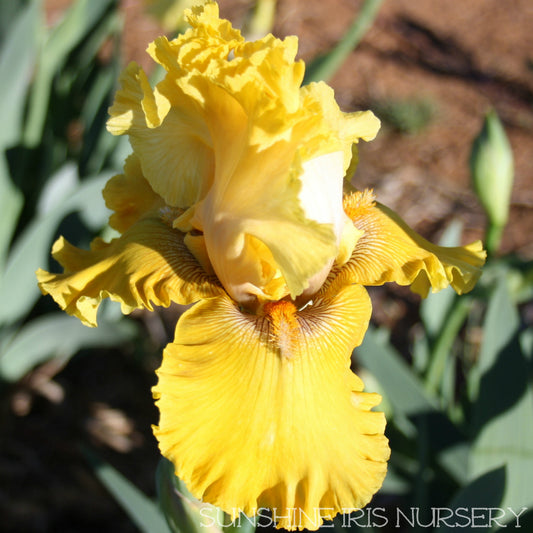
column 492, row 172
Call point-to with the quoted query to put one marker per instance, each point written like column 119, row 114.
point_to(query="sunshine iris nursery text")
column 379, row 517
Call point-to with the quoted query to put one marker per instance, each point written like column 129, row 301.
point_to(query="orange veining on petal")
column 356, row 202
column 284, row 325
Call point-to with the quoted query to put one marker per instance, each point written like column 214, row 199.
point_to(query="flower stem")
column 444, row 342
column 493, row 238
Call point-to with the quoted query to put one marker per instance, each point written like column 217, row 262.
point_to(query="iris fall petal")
column 388, row 250
column 263, row 411
column 148, row 265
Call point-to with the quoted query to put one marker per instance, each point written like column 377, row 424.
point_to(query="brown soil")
column 462, row 57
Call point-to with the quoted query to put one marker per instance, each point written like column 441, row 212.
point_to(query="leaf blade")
column 142, row 511
column 31, row 250
column 56, row 335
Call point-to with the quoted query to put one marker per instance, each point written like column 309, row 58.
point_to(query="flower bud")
column 492, row 172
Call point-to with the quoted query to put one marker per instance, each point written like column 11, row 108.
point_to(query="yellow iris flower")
column 233, row 200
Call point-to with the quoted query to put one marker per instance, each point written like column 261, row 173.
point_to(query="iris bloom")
column 233, row 200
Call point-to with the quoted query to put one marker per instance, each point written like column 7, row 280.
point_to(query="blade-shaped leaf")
column 18, row 288
column 503, row 411
column 412, row 406
column 142, row 511
column 11, row 201
column 484, row 492
column 56, row 335
column 57, row 189
column 8, row 13
column 78, row 21
column 184, row 513
column 323, row 67
column 404, row 390
column 17, row 60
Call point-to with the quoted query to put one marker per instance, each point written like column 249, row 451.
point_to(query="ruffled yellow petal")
column 135, row 105
column 148, row 265
column 130, row 196
column 264, row 412
column 228, row 135
column 172, row 142
column 389, row 250
column 348, row 127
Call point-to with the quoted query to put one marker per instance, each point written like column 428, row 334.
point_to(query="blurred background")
column 430, row 70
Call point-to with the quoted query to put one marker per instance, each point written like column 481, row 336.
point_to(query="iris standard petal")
column 171, row 139
column 263, row 411
column 234, row 217
column 148, row 265
column 265, row 194
column 388, row 250
column 348, row 127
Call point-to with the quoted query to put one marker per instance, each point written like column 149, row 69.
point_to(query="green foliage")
column 57, row 335
column 17, row 59
column 324, row 67
column 54, row 52
column 32, row 248
column 50, row 80
column 462, row 418
column 409, row 116
column 184, row 513
column 144, row 512
column 504, row 367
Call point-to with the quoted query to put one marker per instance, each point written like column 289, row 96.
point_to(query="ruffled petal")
column 230, row 135
column 130, row 196
column 349, row 128
column 171, row 141
column 148, row 265
column 389, row 250
column 264, row 411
